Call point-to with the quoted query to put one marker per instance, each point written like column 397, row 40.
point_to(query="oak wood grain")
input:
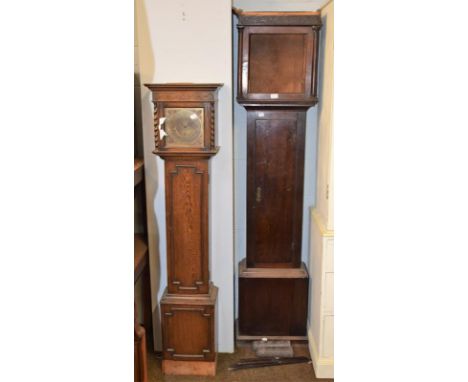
column 188, row 306
column 277, row 61
column 275, row 170
column 285, row 273
column 277, row 83
column 188, row 324
column 187, row 225
column 310, row 18
column 185, row 95
column 199, row 368
column 270, row 306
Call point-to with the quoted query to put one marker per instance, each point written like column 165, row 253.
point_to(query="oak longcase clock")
column 185, row 137
column 277, row 84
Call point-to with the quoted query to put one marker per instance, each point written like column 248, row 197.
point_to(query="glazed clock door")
column 188, row 125
column 277, row 64
column 184, row 127
column 275, row 167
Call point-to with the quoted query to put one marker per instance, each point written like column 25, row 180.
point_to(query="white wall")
column 190, row 41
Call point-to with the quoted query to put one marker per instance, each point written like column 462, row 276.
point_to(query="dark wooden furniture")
column 272, row 302
column 277, row 83
column 277, row 58
column 141, row 272
column 140, row 357
column 185, row 137
column 275, row 169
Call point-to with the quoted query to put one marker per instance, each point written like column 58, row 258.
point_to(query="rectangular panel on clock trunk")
column 187, row 222
column 275, row 166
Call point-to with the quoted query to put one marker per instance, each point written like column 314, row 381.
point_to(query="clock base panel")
column 273, row 302
column 188, row 327
column 202, row 368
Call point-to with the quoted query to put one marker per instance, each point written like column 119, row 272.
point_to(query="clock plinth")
column 185, row 137
column 272, row 303
column 188, row 327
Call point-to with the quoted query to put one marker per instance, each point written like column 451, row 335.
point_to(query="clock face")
column 184, row 127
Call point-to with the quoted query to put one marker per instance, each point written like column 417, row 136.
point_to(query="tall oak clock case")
column 277, row 84
column 185, row 137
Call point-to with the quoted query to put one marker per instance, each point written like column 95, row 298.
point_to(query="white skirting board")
column 323, row 367
column 321, row 314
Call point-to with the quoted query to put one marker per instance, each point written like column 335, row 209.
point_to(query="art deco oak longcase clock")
column 184, row 128
column 277, row 84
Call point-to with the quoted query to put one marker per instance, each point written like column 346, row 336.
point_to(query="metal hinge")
column 328, row 192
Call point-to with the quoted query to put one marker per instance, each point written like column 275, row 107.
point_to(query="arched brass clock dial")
column 184, row 127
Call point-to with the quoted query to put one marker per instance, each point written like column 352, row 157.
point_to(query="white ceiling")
column 279, row 5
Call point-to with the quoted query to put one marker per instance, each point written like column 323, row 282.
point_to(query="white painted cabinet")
column 321, row 315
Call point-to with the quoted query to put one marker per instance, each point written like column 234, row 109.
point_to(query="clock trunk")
column 275, row 169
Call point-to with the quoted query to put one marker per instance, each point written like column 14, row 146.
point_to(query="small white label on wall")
column 261, row 114
column 274, row 95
